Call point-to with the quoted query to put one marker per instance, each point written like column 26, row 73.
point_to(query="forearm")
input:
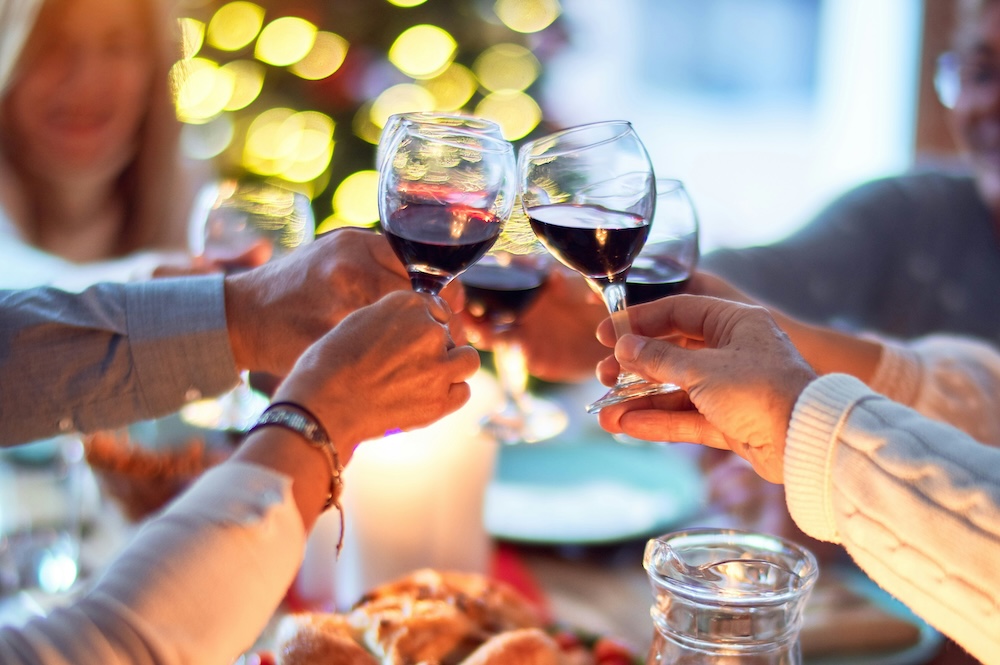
column 916, row 504
column 829, row 351
column 114, row 354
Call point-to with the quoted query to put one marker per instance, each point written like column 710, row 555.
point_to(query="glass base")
column 236, row 411
column 536, row 420
column 623, row 392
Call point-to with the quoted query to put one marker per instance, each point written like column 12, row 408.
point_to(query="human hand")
column 556, row 332
column 277, row 310
column 389, row 365
column 740, row 374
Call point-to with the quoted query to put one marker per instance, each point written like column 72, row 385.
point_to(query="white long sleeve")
column 197, row 584
column 915, row 502
column 945, row 377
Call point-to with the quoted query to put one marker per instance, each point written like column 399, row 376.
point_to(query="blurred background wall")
column 766, row 108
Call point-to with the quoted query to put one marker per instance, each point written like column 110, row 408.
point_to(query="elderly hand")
column 740, row 374
column 389, row 365
column 277, row 310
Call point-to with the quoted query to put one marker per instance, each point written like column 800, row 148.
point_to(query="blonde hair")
column 153, row 185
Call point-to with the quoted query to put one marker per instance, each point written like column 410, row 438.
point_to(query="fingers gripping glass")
column 589, row 192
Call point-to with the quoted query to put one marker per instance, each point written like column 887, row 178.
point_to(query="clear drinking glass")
column 244, row 215
column 444, row 196
column 590, row 193
column 498, row 290
column 727, row 597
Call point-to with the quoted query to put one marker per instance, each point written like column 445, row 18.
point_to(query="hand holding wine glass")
column 444, row 196
column 589, row 192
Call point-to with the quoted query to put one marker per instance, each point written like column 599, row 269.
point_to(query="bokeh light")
column 516, row 112
column 355, row 201
column 208, row 140
column 364, row 127
column 326, row 56
column 453, row 88
column 294, row 146
column 506, row 67
column 527, row 15
column 402, row 98
column 248, row 81
column 406, row 3
column 422, row 51
column 285, row 41
column 192, row 36
column 202, row 89
column 235, row 25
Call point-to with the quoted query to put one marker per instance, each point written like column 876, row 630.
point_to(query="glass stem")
column 614, row 298
column 512, row 369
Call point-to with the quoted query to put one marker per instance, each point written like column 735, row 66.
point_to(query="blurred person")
column 909, row 255
column 92, row 184
column 915, row 503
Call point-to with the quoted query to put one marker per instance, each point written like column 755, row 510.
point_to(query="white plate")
column 590, row 489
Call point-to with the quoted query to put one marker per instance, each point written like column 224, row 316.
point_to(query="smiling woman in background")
column 91, row 184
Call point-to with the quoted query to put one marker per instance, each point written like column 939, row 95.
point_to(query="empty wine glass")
column 590, row 193
column 239, row 216
column 498, row 290
column 444, row 196
column 670, row 254
column 432, row 120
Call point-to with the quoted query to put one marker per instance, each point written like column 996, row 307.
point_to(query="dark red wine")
column 596, row 242
column 436, row 242
column 653, row 281
column 497, row 295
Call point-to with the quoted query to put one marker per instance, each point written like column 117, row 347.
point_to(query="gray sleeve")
column 829, row 270
column 110, row 355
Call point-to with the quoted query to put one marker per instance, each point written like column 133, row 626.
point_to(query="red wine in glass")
column 659, row 280
column 438, row 241
column 594, row 241
column 498, row 295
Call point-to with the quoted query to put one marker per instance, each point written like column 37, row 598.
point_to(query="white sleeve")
column 915, row 502
column 945, row 377
column 197, row 585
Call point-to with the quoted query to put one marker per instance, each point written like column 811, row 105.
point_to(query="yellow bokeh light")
column 516, row 113
column 402, row 98
column 294, row 146
column 452, row 88
column 406, row 3
column 422, row 51
column 192, row 36
column 355, row 202
column 325, row 57
column 527, row 15
column 284, row 41
column 202, row 89
column 363, row 125
column 248, row 81
column 506, row 67
column 235, row 25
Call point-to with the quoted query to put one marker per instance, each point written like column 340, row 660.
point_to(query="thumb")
column 650, row 358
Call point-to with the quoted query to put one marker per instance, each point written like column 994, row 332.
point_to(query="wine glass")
column 444, row 196
column 498, row 290
column 238, row 216
column 590, row 193
column 670, row 254
column 430, row 120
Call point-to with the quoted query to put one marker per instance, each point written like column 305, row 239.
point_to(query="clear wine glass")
column 444, row 196
column 241, row 215
column 498, row 290
column 670, row 255
column 590, row 193
column 433, row 121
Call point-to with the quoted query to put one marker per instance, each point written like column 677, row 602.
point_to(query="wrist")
column 239, row 320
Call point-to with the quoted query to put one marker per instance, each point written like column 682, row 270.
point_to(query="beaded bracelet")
column 299, row 419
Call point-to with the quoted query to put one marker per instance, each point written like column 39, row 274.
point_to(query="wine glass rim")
column 555, row 136
column 667, row 185
column 434, row 116
column 442, row 133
